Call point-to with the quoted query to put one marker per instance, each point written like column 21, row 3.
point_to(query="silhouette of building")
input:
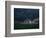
column 27, row 21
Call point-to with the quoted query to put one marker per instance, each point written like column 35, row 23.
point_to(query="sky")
column 20, row 14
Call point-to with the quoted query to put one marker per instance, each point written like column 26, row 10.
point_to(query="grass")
column 26, row 26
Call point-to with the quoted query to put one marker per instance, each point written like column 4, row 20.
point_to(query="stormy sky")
column 20, row 14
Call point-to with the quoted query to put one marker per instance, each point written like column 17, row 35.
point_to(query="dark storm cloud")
column 21, row 14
